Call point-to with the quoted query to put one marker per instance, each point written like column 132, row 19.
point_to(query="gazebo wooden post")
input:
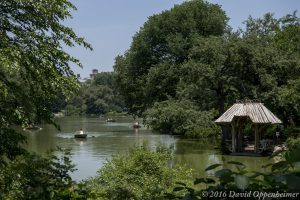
column 256, row 143
column 240, row 139
column 237, row 134
column 233, row 140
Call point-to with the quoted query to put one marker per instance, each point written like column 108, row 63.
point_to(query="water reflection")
column 201, row 154
column 105, row 139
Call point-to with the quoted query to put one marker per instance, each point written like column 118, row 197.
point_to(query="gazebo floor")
column 252, row 153
column 249, row 151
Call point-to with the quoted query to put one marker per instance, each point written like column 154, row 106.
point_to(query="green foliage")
column 280, row 36
column 34, row 69
column 289, row 98
column 282, row 176
column 71, row 110
column 177, row 55
column 181, row 118
column 148, row 72
column 35, row 79
column 94, row 99
column 288, row 37
column 140, row 174
column 33, row 66
column 116, row 114
column 32, row 176
column 293, row 143
column 9, row 145
column 99, row 97
column 292, row 131
column 104, row 78
column 270, row 132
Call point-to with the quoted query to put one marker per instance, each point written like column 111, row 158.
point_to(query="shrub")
column 281, row 177
column 139, row 175
column 181, row 118
column 293, row 143
column 292, row 131
column 32, row 176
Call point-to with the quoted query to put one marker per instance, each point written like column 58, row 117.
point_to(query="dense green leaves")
column 148, row 72
column 289, row 98
column 181, row 118
column 141, row 174
column 35, row 75
column 178, row 55
column 104, row 78
column 34, row 68
column 9, row 145
column 33, row 176
column 99, row 97
column 282, row 176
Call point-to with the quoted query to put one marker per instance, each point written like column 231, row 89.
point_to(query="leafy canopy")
column 148, row 72
column 178, row 56
column 34, row 68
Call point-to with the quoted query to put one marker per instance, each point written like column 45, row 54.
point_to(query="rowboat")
column 80, row 135
column 110, row 120
column 136, row 125
column 32, row 127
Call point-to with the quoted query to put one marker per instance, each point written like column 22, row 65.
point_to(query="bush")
column 32, row 176
column 73, row 110
column 181, row 118
column 292, row 131
column 116, row 114
column 293, row 143
column 139, row 175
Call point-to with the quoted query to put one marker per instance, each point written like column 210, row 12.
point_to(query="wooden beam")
column 233, row 139
column 238, row 134
column 240, row 139
column 256, row 142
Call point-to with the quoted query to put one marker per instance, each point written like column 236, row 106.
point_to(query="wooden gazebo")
column 237, row 114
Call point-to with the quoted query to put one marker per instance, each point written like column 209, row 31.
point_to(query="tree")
column 260, row 62
column 99, row 97
column 34, row 68
column 161, row 46
column 176, row 55
column 104, row 78
column 282, row 37
column 289, row 98
column 181, row 118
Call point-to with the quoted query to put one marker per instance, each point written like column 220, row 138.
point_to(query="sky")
column 109, row 25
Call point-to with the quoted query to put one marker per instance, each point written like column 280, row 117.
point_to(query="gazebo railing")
column 264, row 145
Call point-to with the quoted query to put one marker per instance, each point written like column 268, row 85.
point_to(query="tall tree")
column 34, row 68
column 104, row 78
column 144, row 73
column 172, row 58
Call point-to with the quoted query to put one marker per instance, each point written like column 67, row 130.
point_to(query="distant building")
column 93, row 74
column 88, row 80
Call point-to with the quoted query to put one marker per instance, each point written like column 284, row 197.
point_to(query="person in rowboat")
column 81, row 132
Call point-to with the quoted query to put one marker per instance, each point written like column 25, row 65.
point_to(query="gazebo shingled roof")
column 257, row 112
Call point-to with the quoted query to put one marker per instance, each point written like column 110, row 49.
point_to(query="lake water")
column 106, row 139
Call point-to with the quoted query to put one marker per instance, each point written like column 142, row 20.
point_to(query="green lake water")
column 106, row 139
